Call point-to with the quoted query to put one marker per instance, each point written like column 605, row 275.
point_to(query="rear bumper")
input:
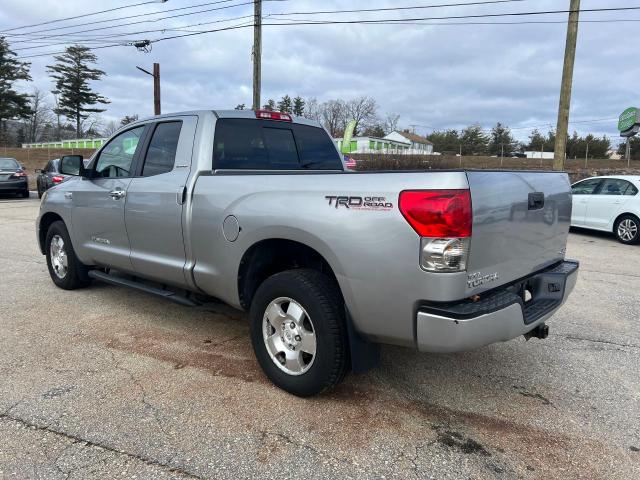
column 11, row 186
column 498, row 316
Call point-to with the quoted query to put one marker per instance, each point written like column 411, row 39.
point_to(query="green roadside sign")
column 628, row 119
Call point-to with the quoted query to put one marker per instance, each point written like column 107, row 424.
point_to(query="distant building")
column 543, row 155
column 418, row 145
column 374, row 145
column 77, row 143
column 614, row 155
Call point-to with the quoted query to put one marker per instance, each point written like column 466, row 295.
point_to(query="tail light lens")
column 57, row 179
column 443, row 219
column 271, row 115
column 19, row 174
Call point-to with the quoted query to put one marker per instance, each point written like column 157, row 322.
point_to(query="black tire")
column 40, row 192
column 76, row 275
column 321, row 299
column 627, row 229
column 25, row 194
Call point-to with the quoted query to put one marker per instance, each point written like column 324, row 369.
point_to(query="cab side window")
column 117, row 156
column 586, row 187
column 161, row 154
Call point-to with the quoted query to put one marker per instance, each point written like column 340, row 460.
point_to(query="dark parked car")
column 13, row 178
column 49, row 176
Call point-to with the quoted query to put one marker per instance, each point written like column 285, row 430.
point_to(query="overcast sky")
column 439, row 76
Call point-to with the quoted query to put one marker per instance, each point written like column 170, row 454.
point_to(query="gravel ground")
column 112, row 383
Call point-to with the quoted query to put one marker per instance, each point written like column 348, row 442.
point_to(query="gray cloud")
column 439, row 76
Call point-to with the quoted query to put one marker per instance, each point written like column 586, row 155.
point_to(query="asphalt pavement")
column 108, row 382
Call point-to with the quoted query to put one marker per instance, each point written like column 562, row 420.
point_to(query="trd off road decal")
column 360, row 203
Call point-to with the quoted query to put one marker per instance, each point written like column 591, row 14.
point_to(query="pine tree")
column 127, row 119
column 12, row 103
column 285, row 105
column 298, row 106
column 474, row 140
column 270, row 105
column 501, row 141
column 72, row 74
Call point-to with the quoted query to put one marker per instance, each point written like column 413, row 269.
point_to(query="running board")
column 125, row 282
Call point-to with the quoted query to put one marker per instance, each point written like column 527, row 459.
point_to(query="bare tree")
column 363, row 110
column 110, row 128
column 40, row 115
column 312, row 110
column 332, row 114
column 91, row 125
column 391, row 122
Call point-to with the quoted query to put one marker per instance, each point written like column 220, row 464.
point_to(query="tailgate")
column 520, row 225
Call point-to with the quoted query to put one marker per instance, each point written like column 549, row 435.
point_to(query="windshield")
column 9, row 164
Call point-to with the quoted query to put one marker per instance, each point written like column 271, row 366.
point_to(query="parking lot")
column 113, row 383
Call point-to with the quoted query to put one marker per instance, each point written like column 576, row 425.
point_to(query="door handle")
column 68, row 195
column 117, row 194
column 181, row 195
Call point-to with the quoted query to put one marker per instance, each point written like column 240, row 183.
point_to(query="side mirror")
column 72, row 165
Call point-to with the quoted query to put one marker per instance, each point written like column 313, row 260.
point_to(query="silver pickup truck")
column 256, row 209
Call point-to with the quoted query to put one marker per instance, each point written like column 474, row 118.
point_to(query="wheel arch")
column 43, row 226
column 273, row 255
column 619, row 216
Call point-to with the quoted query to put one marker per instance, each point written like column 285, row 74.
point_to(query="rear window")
column 242, row 143
column 8, row 164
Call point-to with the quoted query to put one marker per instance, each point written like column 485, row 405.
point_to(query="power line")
column 388, row 9
column 366, row 22
column 383, row 21
column 83, row 15
column 117, row 36
column 139, row 15
column 165, row 18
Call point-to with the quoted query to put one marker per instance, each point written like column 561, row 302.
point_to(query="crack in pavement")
column 143, row 391
column 95, row 444
column 615, row 274
column 595, row 340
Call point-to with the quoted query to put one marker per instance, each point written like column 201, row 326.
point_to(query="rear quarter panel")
column 373, row 252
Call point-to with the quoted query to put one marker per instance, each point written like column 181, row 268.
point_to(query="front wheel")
column 65, row 269
column 627, row 229
column 298, row 331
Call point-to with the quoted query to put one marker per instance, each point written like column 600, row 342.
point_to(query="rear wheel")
column 627, row 229
column 65, row 269
column 25, row 193
column 298, row 331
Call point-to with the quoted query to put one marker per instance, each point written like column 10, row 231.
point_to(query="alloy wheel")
column 58, row 254
column 627, row 229
column 289, row 336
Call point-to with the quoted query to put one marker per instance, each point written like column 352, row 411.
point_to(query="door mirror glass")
column 72, row 165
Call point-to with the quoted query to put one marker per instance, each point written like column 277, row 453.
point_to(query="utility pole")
column 156, row 86
column 257, row 52
column 586, row 156
column 565, row 89
column 627, row 152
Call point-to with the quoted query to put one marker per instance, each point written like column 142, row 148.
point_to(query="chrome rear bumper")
column 500, row 316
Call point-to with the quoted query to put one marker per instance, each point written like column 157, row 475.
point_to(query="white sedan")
column 610, row 204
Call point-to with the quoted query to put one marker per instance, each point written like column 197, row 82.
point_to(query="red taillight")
column 57, row 179
column 437, row 213
column 19, row 174
column 271, row 115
